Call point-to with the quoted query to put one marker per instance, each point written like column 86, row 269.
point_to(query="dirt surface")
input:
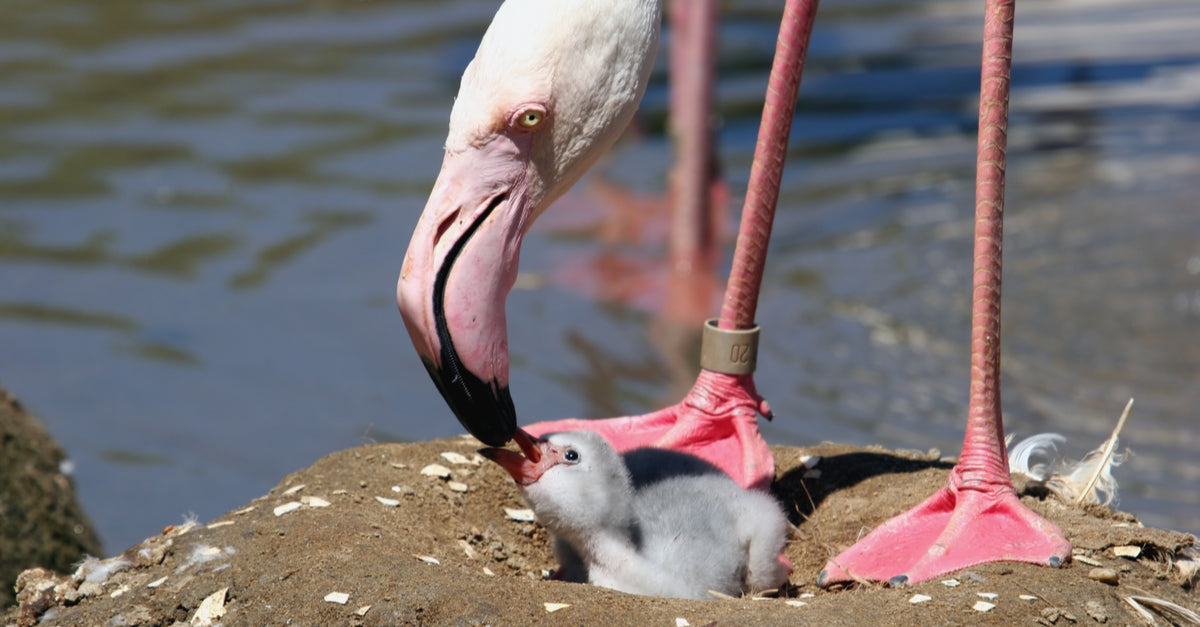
column 411, row 548
column 41, row 522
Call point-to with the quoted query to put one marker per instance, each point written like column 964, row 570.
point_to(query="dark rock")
column 41, row 522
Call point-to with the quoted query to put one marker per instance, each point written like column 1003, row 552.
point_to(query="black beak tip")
column 485, row 410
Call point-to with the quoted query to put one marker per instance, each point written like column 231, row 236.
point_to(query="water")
column 204, row 206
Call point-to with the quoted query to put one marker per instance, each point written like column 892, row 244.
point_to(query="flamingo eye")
column 571, row 456
column 527, row 117
column 530, row 118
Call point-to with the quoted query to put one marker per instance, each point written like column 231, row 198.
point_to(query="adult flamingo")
column 977, row 517
column 552, row 85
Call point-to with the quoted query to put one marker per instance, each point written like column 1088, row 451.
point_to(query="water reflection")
column 203, row 209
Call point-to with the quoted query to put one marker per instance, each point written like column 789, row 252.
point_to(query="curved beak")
column 539, row 457
column 460, row 266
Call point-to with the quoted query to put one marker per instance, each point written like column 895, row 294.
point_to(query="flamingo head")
column 552, row 85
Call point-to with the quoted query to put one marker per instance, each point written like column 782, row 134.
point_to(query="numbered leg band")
column 728, row 351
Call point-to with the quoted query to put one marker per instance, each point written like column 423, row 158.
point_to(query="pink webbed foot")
column 956, row 528
column 717, row 422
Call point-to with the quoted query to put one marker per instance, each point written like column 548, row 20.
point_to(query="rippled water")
column 204, row 205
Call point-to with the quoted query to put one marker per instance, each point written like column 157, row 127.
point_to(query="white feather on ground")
column 1087, row 480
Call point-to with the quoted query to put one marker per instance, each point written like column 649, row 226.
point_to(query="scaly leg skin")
column 956, row 528
column 717, row 421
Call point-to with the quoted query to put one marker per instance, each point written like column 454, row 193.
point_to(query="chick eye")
column 571, row 455
column 530, row 119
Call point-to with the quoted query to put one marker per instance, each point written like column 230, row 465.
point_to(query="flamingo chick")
column 552, row 85
column 679, row 532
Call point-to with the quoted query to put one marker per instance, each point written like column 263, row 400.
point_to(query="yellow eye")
column 530, row 118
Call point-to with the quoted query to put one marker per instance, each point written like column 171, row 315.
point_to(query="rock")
column 41, row 522
column 1105, row 575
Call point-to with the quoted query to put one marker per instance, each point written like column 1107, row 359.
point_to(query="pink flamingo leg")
column 977, row 517
column 717, row 420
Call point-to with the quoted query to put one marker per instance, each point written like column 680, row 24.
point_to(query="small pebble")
column 287, row 508
column 1127, row 551
column 520, row 515
column 455, row 458
column 337, row 597
column 951, row 583
column 456, row 486
column 436, row 470
column 1096, row 611
column 294, row 489
column 314, row 501
column 388, row 502
column 554, row 607
column 983, row 606
column 919, row 598
column 1105, row 575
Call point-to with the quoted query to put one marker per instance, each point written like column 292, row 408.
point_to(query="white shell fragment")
column 1083, row 559
column 314, row 501
column 919, row 598
column 795, row 603
column 436, row 470
column 287, row 508
column 362, row 611
column 1027, row 597
column 1131, row 551
column 983, row 606
column 487, row 571
column 457, row 486
column 810, row 461
column 245, row 510
column 388, row 502
column 991, row 596
column 337, row 597
column 211, row 609
column 554, row 607
column 218, row 524
column 682, row 622
column 428, row 559
column 951, row 583
column 157, row 582
column 294, row 489
column 808, row 595
column 455, row 458
column 520, row 515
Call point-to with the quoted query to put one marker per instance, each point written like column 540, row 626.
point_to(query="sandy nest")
column 375, row 536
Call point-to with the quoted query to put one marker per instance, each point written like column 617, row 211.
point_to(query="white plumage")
column 686, row 528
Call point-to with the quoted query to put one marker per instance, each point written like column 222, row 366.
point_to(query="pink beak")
column 539, row 457
column 461, row 264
